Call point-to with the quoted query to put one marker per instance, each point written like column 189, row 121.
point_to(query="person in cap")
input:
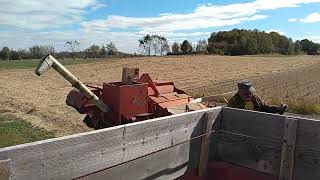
column 246, row 98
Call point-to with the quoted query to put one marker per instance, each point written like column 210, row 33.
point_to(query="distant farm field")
column 41, row 100
column 30, row 63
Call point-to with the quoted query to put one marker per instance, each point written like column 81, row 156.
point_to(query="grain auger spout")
column 49, row 61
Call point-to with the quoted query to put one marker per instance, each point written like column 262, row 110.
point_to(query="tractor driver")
column 246, row 98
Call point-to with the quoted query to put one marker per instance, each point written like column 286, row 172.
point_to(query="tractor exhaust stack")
column 50, row 61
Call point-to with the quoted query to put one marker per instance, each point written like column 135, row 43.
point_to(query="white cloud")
column 37, row 15
column 275, row 30
column 23, row 17
column 127, row 42
column 177, row 34
column 292, row 20
column 98, row 5
column 204, row 16
column 311, row 18
column 314, row 38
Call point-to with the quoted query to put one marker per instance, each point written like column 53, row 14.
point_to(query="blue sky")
column 26, row 23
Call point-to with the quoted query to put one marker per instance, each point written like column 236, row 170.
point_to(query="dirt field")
column 41, row 100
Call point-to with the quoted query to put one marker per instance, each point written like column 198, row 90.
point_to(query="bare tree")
column 164, row 46
column 202, row 47
column 155, row 41
column 145, row 43
column 73, row 46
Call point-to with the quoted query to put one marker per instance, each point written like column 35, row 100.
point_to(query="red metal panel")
column 171, row 99
column 126, row 101
column 111, row 97
column 162, row 89
column 173, row 103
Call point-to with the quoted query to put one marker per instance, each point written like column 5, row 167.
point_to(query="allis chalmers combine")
column 114, row 103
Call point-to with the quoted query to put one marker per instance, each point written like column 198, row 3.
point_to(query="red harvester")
column 133, row 99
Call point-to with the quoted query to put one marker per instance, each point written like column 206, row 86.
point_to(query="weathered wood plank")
column 169, row 163
column 255, row 153
column 5, row 169
column 308, row 133
column 63, row 157
column 256, row 124
column 288, row 148
column 209, row 119
column 77, row 155
column 307, row 164
column 307, row 153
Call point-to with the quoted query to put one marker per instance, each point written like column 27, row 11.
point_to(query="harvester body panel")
column 125, row 100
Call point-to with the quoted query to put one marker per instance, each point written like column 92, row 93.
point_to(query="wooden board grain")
column 169, row 163
column 249, row 139
column 255, row 124
column 5, row 169
column 78, row 155
column 307, row 153
column 161, row 148
column 209, row 119
column 253, row 133
column 259, row 154
column 288, row 149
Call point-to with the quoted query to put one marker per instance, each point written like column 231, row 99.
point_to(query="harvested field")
column 41, row 100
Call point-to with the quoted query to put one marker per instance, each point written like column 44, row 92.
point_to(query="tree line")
column 186, row 47
column 34, row 52
column 248, row 42
column 158, row 45
column 234, row 42
column 38, row 51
